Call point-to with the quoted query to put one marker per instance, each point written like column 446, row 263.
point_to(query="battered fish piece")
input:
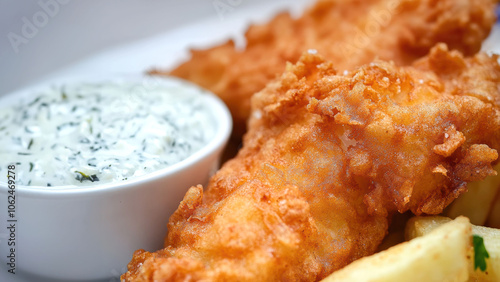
column 327, row 160
column 350, row 33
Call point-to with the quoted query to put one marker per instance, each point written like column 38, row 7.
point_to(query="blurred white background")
column 65, row 31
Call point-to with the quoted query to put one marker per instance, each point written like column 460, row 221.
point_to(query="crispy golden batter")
column 347, row 32
column 328, row 158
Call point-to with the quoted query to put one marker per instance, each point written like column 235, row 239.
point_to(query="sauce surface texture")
column 87, row 134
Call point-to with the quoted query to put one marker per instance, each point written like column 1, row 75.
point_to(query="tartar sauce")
column 97, row 133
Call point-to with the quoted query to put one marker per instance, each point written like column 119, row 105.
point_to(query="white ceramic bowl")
column 91, row 232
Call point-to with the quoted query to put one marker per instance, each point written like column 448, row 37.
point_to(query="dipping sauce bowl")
column 90, row 231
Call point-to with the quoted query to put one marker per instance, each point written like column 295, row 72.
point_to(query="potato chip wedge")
column 440, row 255
column 421, row 226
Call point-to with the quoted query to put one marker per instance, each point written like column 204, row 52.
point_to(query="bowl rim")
column 216, row 106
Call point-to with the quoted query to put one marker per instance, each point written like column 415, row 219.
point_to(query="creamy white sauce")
column 87, row 134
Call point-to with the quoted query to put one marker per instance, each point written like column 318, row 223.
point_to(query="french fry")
column 420, row 226
column 477, row 203
column 438, row 256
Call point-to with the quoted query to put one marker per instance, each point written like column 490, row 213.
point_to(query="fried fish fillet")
column 328, row 158
column 347, row 32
